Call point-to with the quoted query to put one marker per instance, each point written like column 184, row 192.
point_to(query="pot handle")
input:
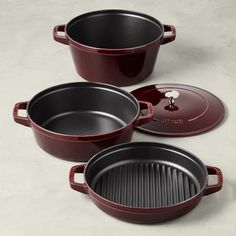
column 171, row 37
column 142, row 119
column 214, row 187
column 20, row 119
column 60, row 38
column 77, row 186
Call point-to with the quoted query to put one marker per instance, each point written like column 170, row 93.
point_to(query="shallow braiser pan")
column 76, row 120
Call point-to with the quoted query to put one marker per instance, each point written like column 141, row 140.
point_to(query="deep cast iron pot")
column 145, row 182
column 114, row 46
column 76, row 120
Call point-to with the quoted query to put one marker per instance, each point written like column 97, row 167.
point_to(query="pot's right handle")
column 171, row 37
column 80, row 187
column 143, row 119
column 60, row 38
column 20, row 119
column 214, row 187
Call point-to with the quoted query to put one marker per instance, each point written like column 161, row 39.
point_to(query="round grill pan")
column 146, row 182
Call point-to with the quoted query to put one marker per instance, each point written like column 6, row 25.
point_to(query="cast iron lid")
column 180, row 110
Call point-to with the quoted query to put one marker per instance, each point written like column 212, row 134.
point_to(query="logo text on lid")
column 172, row 121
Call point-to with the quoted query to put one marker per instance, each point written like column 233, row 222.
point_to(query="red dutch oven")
column 114, row 46
column 145, row 182
column 76, row 120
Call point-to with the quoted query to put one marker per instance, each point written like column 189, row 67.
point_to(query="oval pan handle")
column 60, row 38
column 143, row 119
column 80, row 187
column 20, row 119
column 214, row 187
column 171, row 37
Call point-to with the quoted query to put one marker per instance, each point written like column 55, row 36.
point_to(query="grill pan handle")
column 142, row 119
column 60, row 38
column 171, row 37
column 20, row 119
column 214, row 187
column 80, row 187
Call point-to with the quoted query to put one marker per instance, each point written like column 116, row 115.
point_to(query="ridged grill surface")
column 146, row 185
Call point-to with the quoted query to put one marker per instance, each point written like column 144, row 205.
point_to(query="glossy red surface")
column 121, row 67
column 145, row 215
column 79, row 150
column 119, row 70
column 194, row 110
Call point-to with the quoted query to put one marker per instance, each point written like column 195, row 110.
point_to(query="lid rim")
column 213, row 116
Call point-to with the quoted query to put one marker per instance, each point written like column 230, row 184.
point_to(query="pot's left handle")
column 21, row 119
column 143, row 119
column 60, row 38
column 171, row 37
column 214, row 187
column 80, row 187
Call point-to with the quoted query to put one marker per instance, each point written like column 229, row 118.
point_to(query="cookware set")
column 93, row 121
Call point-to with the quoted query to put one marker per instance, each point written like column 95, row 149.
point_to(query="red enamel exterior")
column 120, row 67
column 78, row 150
column 144, row 215
column 119, row 70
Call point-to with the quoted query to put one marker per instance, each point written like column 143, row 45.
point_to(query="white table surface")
column 35, row 197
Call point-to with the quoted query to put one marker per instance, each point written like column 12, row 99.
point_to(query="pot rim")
column 90, row 137
column 115, row 205
column 125, row 50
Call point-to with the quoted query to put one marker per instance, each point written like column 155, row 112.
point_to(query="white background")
column 35, row 198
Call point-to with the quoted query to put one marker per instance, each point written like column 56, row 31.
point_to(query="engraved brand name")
column 172, row 121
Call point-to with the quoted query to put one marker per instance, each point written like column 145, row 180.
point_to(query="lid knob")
column 172, row 95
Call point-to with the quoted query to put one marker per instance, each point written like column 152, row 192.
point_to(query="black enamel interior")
column 114, row 29
column 146, row 175
column 83, row 109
